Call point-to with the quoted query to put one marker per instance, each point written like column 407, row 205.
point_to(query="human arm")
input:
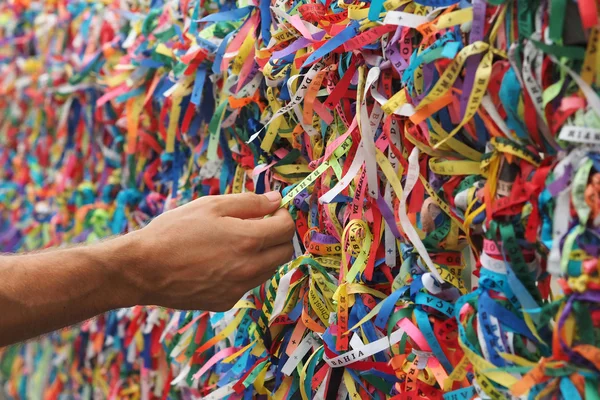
column 203, row 255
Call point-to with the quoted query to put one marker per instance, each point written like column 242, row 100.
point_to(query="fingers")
column 274, row 230
column 247, row 205
column 267, row 261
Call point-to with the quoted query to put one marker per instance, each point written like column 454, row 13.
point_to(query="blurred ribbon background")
column 440, row 158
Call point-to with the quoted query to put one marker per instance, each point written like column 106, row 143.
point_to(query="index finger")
column 274, row 230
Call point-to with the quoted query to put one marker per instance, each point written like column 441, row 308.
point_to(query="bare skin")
column 201, row 256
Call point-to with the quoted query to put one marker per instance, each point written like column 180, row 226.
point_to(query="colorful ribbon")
column 440, row 159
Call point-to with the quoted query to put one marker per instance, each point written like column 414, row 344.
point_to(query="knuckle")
column 254, row 200
column 245, row 273
column 290, row 226
column 210, row 203
column 205, row 200
column 248, row 243
column 289, row 251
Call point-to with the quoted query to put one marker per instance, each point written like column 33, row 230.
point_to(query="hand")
column 206, row 254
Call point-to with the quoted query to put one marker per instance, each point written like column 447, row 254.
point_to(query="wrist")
column 123, row 257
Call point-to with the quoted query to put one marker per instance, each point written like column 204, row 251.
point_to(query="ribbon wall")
column 440, row 159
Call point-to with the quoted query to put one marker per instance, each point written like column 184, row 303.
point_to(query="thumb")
column 249, row 205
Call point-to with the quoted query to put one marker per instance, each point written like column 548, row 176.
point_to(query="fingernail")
column 274, row 196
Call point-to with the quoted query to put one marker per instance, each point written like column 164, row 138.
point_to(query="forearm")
column 203, row 255
column 45, row 291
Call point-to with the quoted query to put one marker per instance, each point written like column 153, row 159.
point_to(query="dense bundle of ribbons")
column 441, row 159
